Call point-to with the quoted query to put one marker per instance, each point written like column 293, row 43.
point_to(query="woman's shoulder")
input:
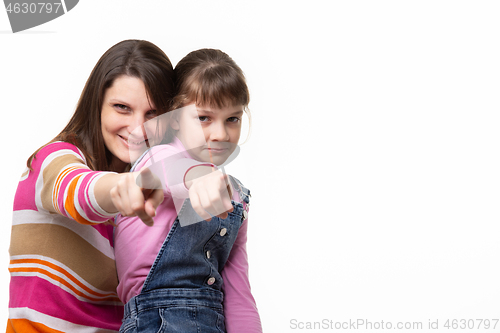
column 60, row 145
column 57, row 149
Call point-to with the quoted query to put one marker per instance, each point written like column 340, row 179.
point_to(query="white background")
column 374, row 156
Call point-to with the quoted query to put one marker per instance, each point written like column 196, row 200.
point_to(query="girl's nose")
column 218, row 132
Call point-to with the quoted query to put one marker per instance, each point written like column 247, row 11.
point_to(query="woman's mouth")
column 134, row 142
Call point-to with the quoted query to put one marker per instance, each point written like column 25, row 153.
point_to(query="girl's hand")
column 211, row 195
column 138, row 194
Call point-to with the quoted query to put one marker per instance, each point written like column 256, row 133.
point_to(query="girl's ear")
column 174, row 123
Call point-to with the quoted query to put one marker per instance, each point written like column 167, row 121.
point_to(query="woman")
column 63, row 274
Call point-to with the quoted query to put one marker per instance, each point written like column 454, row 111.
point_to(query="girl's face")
column 126, row 107
column 208, row 134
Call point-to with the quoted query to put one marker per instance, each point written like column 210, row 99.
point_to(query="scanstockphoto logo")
column 26, row 14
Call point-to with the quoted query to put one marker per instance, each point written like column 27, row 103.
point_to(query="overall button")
column 211, row 281
column 245, row 215
column 223, row 232
column 208, row 254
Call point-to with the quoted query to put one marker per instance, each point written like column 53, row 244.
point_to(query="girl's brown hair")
column 210, row 77
column 136, row 58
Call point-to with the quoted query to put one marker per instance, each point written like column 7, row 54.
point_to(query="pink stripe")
column 25, row 194
column 42, row 296
column 106, row 230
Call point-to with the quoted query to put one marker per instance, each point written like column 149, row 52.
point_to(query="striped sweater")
column 62, row 267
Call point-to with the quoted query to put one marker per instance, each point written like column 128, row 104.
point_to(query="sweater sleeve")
column 240, row 309
column 65, row 184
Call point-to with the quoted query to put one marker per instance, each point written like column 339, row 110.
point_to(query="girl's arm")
column 240, row 309
column 209, row 192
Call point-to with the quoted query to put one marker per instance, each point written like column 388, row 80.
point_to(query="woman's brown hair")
column 136, row 58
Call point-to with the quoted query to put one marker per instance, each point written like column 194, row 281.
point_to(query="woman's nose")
column 136, row 125
column 138, row 120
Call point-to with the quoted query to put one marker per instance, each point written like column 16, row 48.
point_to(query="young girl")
column 192, row 278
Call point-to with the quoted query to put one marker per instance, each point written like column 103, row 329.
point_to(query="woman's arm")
column 64, row 184
column 121, row 193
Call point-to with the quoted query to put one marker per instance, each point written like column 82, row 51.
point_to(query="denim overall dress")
column 182, row 292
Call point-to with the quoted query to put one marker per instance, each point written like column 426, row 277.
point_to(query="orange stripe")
column 62, row 271
column 26, row 326
column 63, row 282
column 69, row 205
column 57, row 185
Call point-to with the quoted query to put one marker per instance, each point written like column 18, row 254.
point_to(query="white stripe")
column 52, row 322
column 55, row 272
column 93, row 202
column 87, row 232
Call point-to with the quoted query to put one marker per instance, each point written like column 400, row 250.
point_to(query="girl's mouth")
column 217, row 150
column 220, row 148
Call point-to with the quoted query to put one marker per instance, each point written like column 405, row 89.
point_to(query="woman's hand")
column 138, row 194
column 210, row 194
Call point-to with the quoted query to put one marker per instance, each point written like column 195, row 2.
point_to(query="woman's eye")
column 152, row 113
column 121, row 107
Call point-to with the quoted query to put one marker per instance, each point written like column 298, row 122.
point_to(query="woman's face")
column 126, row 108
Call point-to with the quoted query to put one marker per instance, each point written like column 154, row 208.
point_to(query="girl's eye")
column 233, row 120
column 203, row 119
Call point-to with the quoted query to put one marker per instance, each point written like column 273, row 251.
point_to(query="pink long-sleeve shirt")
column 137, row 245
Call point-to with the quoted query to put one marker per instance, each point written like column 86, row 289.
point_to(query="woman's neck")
column 119, row 166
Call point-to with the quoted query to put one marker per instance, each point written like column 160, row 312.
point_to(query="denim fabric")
column 175, row 310
column 182, row 293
